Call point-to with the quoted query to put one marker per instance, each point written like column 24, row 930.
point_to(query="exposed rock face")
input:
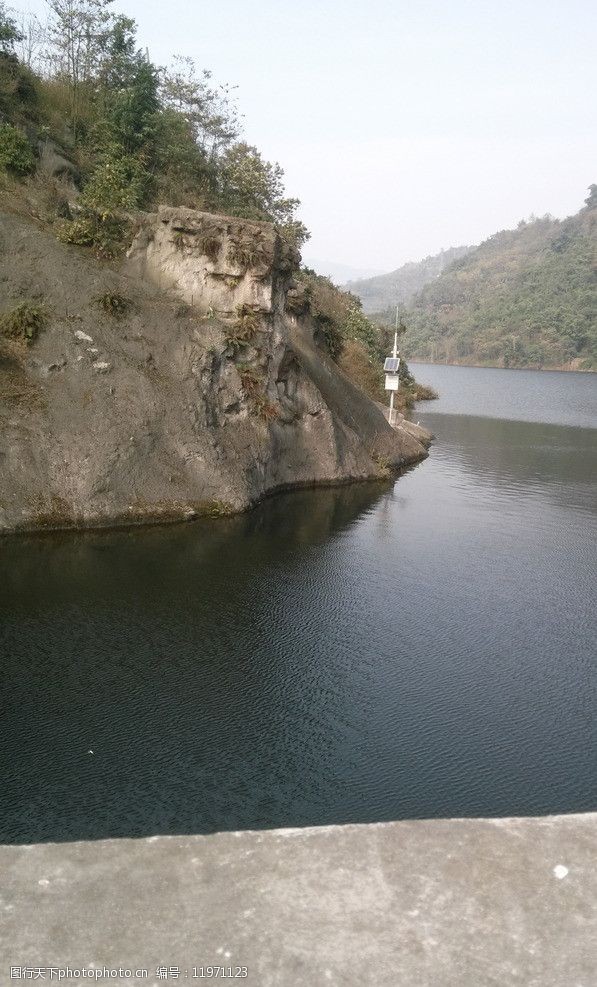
column 203, row 397
column 53, row 162
column 214, row 262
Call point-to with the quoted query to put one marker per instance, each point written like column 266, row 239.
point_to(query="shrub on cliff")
column 355, row 342
column 329, row 307
column 242, row 330
column 253, row 385
column 16, row 155
column 18, row 85
column 23, row 322
column 341, row 321
column 118, row 184
column 106, row 233
column 114, row 304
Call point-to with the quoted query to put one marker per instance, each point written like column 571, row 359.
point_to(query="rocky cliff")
column 187, row 381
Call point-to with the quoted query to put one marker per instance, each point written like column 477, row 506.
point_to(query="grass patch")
column 253, row 386
column 244, row 328
column 210, row 246
column 213, row 508
column 245, row 255
column 106, row 233
column 408, row 394
column 363, row 371
column 383, row 464
column 24, row 322
column 20, row 391
column 422, row 392
column 114, row 304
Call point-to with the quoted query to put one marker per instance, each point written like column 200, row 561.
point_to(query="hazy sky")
column 404, row 126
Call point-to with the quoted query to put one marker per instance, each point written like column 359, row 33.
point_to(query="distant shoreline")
column 494, row 366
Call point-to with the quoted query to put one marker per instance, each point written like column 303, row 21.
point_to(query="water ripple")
column 344, row 655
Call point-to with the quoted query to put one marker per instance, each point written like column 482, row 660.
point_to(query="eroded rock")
column 218, row 391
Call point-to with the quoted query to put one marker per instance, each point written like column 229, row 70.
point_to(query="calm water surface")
column 550, row 396
column 358, row 654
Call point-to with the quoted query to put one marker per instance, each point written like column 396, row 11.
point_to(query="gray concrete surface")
column 421, row 904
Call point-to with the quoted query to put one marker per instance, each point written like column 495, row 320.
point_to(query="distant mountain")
column 338, row 273
column 398, row 287
column 523, row 298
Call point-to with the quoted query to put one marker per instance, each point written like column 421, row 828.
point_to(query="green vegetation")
column 16, row 155
column 101, row 222
column 524, row 298
column 355, row 342
column 24, row 322
column 245, row 254
column 212, row 508
column 135, row 134
column 243, row 329
column 328, row 305
column 19, row 97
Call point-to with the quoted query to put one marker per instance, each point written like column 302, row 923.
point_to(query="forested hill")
column 386, row 291
column 523, row 298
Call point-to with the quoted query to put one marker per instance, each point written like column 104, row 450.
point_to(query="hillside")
column 386, row 291
column 523, row 298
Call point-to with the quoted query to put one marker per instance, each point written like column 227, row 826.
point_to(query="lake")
column 366, row 653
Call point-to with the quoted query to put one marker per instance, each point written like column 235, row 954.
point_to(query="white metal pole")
column 394, row 354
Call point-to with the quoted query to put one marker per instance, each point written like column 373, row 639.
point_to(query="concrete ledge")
column 438, row 903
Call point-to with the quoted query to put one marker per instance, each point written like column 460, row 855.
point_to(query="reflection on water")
column 355, row 654
column 101, row 567
column 551, row 396
column 519, row 456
